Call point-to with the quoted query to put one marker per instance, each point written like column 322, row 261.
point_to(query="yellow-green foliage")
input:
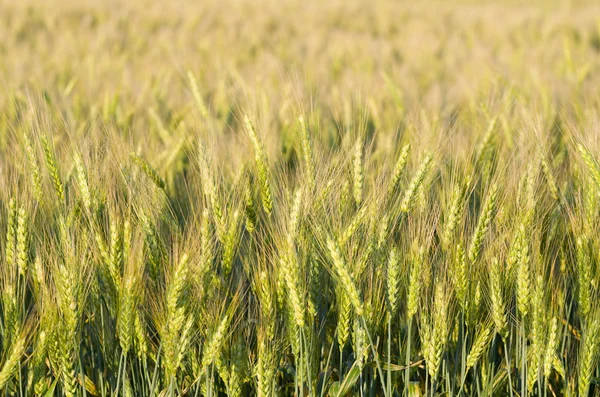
column 294, row 198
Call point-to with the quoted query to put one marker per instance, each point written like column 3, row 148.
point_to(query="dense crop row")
column 182, row 216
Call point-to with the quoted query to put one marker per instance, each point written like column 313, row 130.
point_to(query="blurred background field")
column 387, row 57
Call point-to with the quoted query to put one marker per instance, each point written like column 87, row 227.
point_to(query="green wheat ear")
column 52, row 168
column 456, row 210
column 498, row 306
column 358, row 172
column 411, row 193
column 479, row 345
column 590, row 163
column 197, row 96
column 215, row 342
column 393, row 281
column 34, row 169
column 249, row 209
column 148, row 170
column 22, row 242
column 11, row 234
column 262, row 166
column 550, row 180
column 588, row 356
column 483, row 224
column 344, row 275
column 415, row 283
column 10, row 366
column 82, row 180
column 307, row 153
column 399, row 168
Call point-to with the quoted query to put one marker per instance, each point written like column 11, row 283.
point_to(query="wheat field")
column 298, row 198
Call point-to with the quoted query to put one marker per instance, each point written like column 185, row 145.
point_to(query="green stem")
column 389, row 357
column 375, row 355
column 407, row 368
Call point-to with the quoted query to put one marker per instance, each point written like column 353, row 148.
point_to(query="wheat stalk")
column 262, row 166
column 344, row 276
column 408, row 201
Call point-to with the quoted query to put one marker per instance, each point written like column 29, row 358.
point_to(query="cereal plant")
column 346, row 198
